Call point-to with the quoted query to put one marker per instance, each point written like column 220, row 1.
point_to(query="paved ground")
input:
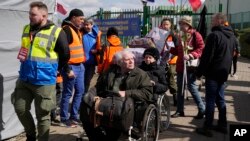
column 182, row 129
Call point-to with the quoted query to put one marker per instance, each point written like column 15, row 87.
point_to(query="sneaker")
column 76, row 121
column 55, row 121
column 135, row 133
column 178, row 114
column 235, row 77
column 204, row 131
column 68, row 123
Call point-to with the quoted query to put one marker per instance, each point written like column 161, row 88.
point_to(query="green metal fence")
column 150, row 17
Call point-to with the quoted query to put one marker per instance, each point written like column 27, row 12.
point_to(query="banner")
column 171, row 1
column 125, row 27
column 196, row 4
column 61, row 9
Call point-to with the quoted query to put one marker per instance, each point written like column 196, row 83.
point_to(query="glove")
column 186, row 57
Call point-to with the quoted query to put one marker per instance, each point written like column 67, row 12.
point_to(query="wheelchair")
column 153, row 117
column 156, row 118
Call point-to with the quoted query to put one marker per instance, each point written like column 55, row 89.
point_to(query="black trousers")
column 234, row 65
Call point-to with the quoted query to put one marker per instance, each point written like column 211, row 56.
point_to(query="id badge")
column 23, row 54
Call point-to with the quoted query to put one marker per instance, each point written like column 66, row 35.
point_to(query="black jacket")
column 217, row 55
column 158, row 75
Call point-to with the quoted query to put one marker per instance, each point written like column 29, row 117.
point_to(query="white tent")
column 14, row 15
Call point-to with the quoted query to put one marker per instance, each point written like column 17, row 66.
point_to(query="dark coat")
column 136, row 84
column 158, row 75
column 217, row 56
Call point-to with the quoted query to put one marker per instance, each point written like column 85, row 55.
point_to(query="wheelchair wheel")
column 164, row 110
column 150, row 125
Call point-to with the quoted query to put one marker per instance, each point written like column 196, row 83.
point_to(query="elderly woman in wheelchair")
column 157, row 75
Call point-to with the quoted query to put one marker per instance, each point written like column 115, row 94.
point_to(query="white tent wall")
column 14, row 15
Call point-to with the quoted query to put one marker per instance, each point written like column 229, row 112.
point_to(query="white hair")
column 119, row 56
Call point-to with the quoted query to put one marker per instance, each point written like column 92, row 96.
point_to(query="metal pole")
column 228, row 8
column 220, row 6
column 145, row 18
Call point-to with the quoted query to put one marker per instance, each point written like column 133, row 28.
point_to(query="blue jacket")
column 89, row 43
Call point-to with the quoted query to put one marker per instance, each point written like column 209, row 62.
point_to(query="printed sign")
column 125, row 27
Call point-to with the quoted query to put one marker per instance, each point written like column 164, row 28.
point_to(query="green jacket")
column 136, row 84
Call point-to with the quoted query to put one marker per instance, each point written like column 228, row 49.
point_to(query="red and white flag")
column 171, row 1
column 196, row 4
column 61, row 9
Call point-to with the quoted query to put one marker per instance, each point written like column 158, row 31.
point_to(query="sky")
column 90, row 7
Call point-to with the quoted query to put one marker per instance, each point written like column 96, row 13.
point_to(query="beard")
column 36, row 25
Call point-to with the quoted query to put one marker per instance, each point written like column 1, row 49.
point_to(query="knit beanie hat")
column 153, row 52
column 112, row 31
column 75, row 12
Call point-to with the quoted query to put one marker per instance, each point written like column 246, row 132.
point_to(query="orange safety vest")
column 59, row 79
column 173, row 60
column 76, row 48
column 98, row 46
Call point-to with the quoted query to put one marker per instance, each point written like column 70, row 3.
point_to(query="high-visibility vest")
column 40, row 66
column 98, row 46
column 59, row 79
column 174, row 59
column 76, row 48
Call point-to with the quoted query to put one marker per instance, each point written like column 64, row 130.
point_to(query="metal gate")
column 149, row 17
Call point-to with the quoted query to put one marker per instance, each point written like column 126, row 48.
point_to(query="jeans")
column 71, row 85
column 215, row 95
column 89, row 73
column 193, row 89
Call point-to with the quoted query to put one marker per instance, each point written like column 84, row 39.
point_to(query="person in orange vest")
column 73, row 77
column 92, row 44
column 169, row 59
column 114, row 45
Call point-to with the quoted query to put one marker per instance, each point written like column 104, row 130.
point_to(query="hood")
column 94, row 33
column 95, row 30
column 226, row 30
column 114, row 40
column 68, row 23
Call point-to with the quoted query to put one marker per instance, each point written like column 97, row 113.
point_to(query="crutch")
column 184, row 77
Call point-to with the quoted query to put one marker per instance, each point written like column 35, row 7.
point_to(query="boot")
column 30, row 137
column 174, row 100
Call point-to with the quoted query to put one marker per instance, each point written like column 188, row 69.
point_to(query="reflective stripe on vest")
column 76, row 48
column 41, row 64
column 43, row 44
